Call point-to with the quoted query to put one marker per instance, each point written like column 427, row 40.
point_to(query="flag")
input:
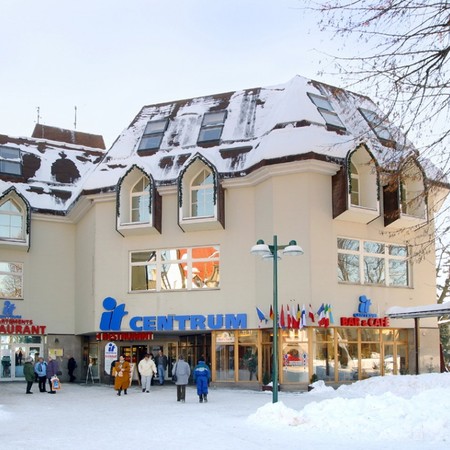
column 323, row 320
column 296, row 319
column 282, row 320
column 330, row 314
column 289, row 317
column 261, row 315
column 320, row 310
column 303, row 320
column 311, row 314
column 271, row 313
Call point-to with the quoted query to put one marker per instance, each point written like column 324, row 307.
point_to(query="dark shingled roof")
column 68, row 136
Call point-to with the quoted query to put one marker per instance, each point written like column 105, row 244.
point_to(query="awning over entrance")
column 398, row 312
column 416, row 313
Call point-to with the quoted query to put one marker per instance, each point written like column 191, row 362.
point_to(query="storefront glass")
column 14, row 349
column 323, row 353
column 295, row 356
column 370, row 353
column 248, row 355
column 347, row 353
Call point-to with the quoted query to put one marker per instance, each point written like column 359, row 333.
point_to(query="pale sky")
column 110, row 58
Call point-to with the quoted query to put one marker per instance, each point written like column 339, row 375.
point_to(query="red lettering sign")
column 381, row 322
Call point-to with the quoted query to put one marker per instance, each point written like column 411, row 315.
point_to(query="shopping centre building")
column 147, row 245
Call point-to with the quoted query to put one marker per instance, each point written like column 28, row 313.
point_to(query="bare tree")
column 402, row 60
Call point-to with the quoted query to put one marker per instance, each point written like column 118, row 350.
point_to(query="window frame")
column 14, row 159
column 212, row 126
column 5, row 274
column 145, row 195
column 380, row 259
column 184, row 263
column 326, row 110
column 206, row 191
column 9, row 214
column 381, row 131
column 153, row 135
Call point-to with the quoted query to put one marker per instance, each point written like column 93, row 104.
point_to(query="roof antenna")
column 38, row 109
column 75, row 123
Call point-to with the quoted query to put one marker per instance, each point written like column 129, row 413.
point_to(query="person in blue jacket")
column 202, row 376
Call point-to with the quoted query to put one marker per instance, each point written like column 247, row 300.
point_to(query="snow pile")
column 397, row 408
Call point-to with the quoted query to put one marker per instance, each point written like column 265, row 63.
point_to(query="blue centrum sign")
column 112, row 318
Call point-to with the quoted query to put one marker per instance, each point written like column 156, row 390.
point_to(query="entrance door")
column 13, row 356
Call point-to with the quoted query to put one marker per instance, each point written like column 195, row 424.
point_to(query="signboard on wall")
column 111, row 352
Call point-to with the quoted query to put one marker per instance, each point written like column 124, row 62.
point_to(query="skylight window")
column 10, row 161
column 375, row 123
column 153, row 134
column 212, row 126
column 326, row 110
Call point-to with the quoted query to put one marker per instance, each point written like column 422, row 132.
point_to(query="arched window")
column 202, row 194
column 11, row 221
column 140, row 201
column 354, row 183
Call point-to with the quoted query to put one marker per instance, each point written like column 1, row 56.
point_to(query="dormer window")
column 153, row 134
column 326, row 110
column 212, row 126
column 200, row 197
column 12, row 219
column 355, row 188
column 375, row 122
column 202, row 194
column 10, row 161
column 140, row 201
column 354, row 183
column 404, row 197
column 139, row 204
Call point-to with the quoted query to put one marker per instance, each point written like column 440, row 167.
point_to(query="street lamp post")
column 273, row 252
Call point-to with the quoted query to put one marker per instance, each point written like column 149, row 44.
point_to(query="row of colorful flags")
column 297, row 318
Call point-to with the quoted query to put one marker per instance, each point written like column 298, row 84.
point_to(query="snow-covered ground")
column 379, row 413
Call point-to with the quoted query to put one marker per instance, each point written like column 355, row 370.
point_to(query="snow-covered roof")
column 262, row 126
column 434, row 310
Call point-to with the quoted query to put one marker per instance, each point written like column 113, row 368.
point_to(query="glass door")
column 13, row 354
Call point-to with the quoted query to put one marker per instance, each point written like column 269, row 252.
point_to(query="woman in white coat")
column 182, row 371
column 147, row 369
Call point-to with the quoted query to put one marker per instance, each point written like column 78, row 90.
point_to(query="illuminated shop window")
column 368, row 262
column 175, row 269
column 11, row 280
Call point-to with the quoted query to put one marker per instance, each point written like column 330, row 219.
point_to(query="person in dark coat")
column 202, row 376
column 161, row 365
column 52, row 369
column 28, row 371
column 71, row 366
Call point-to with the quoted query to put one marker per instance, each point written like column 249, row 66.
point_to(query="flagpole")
column 275, row 321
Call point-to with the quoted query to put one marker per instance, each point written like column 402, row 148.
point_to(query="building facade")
column 146, row 246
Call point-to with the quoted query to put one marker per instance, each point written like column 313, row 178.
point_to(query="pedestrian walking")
column 147, row 369
column 180, row 375
column 202, row 376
